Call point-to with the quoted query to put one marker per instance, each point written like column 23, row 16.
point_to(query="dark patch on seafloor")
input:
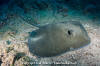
column 0, row 62
column 4, row 2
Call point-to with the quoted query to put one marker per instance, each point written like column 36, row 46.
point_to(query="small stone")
column 8, row 42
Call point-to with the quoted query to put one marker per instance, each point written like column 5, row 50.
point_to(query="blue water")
column 40, row 12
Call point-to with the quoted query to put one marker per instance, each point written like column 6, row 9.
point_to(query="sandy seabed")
column 14, row 36
column 88, row 56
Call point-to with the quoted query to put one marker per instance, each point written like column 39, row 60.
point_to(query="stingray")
column 57, row 38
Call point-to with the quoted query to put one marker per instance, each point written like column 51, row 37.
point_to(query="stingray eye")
column 70, row 32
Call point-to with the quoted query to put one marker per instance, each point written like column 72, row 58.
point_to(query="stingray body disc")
column 57, row 38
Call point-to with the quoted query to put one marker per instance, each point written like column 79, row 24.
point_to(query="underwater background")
column 19, row 17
